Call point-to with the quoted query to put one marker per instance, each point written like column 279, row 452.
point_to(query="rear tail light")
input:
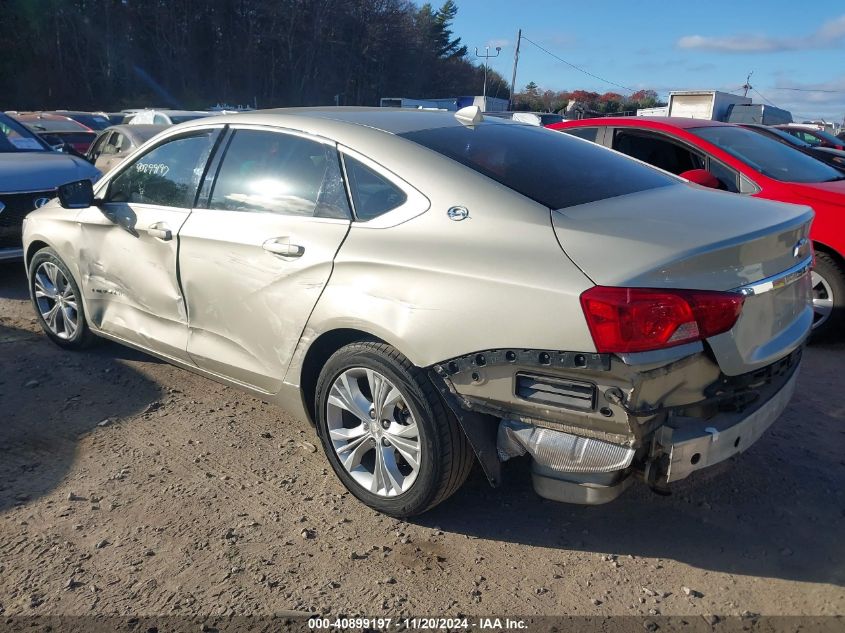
column 643, row 319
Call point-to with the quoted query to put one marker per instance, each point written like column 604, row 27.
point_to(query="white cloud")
column 831, row 34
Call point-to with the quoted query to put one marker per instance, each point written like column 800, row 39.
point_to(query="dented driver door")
column 129, row 246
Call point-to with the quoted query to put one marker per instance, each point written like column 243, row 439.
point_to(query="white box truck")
column 703, row 104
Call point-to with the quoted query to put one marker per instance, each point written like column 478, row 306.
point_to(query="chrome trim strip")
column 775, row 282
column 8, row 254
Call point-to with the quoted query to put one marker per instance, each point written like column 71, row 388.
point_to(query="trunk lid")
column 686, row 237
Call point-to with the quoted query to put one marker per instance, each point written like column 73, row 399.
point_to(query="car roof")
column 673, row 121
column 390, row 120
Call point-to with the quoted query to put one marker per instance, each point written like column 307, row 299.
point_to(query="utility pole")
column 747, row 85
column 486, row 57
column 515, row 62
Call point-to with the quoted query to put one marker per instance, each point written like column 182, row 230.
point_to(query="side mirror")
column 701, row 177
column 76, row 195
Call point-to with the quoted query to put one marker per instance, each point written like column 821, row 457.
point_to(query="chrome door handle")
column 160, row 230
column 282, row 246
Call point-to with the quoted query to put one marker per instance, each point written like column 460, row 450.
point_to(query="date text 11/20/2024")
column 448, row 624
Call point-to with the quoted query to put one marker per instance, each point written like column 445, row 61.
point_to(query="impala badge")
column 40, row 202
column 458, row 213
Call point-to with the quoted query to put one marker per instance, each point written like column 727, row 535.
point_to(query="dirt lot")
column 128, row 486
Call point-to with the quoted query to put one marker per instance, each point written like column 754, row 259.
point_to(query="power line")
column 763, row 97
column 578, row 68
column 812, row 90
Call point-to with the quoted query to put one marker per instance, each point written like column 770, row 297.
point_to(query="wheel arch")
column 318, row 352
column 34, row 247
column 830, row 252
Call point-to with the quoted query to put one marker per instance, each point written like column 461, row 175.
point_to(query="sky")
column 670, row 46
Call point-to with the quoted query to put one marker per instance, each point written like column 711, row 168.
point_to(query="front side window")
column 766, row 155
column 372, row 194
column 167, row 175
column 271, row 172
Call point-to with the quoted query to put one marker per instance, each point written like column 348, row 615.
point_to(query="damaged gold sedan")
column 433, row 289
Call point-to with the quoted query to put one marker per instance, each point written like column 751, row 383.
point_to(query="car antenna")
column 469, row 115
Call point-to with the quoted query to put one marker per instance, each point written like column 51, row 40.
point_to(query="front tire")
column 386, row 431
column 828, row 298
column 58, row 301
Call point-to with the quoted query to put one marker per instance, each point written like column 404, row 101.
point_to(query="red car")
column 57, row 128
column 736, row 159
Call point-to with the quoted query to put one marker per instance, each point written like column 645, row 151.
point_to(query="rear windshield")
column 551, row 168
column 93, row 121
column 768, row 156
column 53, row 125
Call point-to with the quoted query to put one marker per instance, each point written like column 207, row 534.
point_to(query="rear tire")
column 828, row 298
column 367, row 437
column 57, row 301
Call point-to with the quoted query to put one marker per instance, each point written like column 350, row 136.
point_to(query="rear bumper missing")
column 694, row 444
column 660, row 418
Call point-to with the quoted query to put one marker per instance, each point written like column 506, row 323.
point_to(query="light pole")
column 486, row 57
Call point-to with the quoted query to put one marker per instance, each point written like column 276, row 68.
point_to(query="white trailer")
column 703, row 104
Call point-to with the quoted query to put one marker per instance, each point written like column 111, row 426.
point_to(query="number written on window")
column 167, row 176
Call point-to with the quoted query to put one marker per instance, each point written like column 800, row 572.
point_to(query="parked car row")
column 76, row 131
column 433, row 289
column 745, row 160
column 30, row 172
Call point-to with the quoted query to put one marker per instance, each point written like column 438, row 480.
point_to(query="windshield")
column 14, row 137
column 766, row 155
column 554, row 169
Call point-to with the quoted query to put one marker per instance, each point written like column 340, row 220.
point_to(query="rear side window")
column 167, row 176
column 372, row 194
column 586, row 133
column 551, row 168
column 658, row 151
column 272, row 172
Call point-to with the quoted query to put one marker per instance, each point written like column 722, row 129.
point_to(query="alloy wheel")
column 373, row 432
column 56, row 300
column 822, row 299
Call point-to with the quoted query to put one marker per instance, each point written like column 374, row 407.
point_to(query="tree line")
column 534, row 99
column 114, row 54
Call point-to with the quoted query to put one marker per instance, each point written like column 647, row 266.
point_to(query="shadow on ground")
column 13, row 281
column 50, row 399
column 777, row 511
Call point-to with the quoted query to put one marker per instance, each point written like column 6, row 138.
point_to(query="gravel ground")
column 128, row 486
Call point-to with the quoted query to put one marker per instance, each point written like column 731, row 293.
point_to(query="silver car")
column 434, row 289
column 115, row 143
